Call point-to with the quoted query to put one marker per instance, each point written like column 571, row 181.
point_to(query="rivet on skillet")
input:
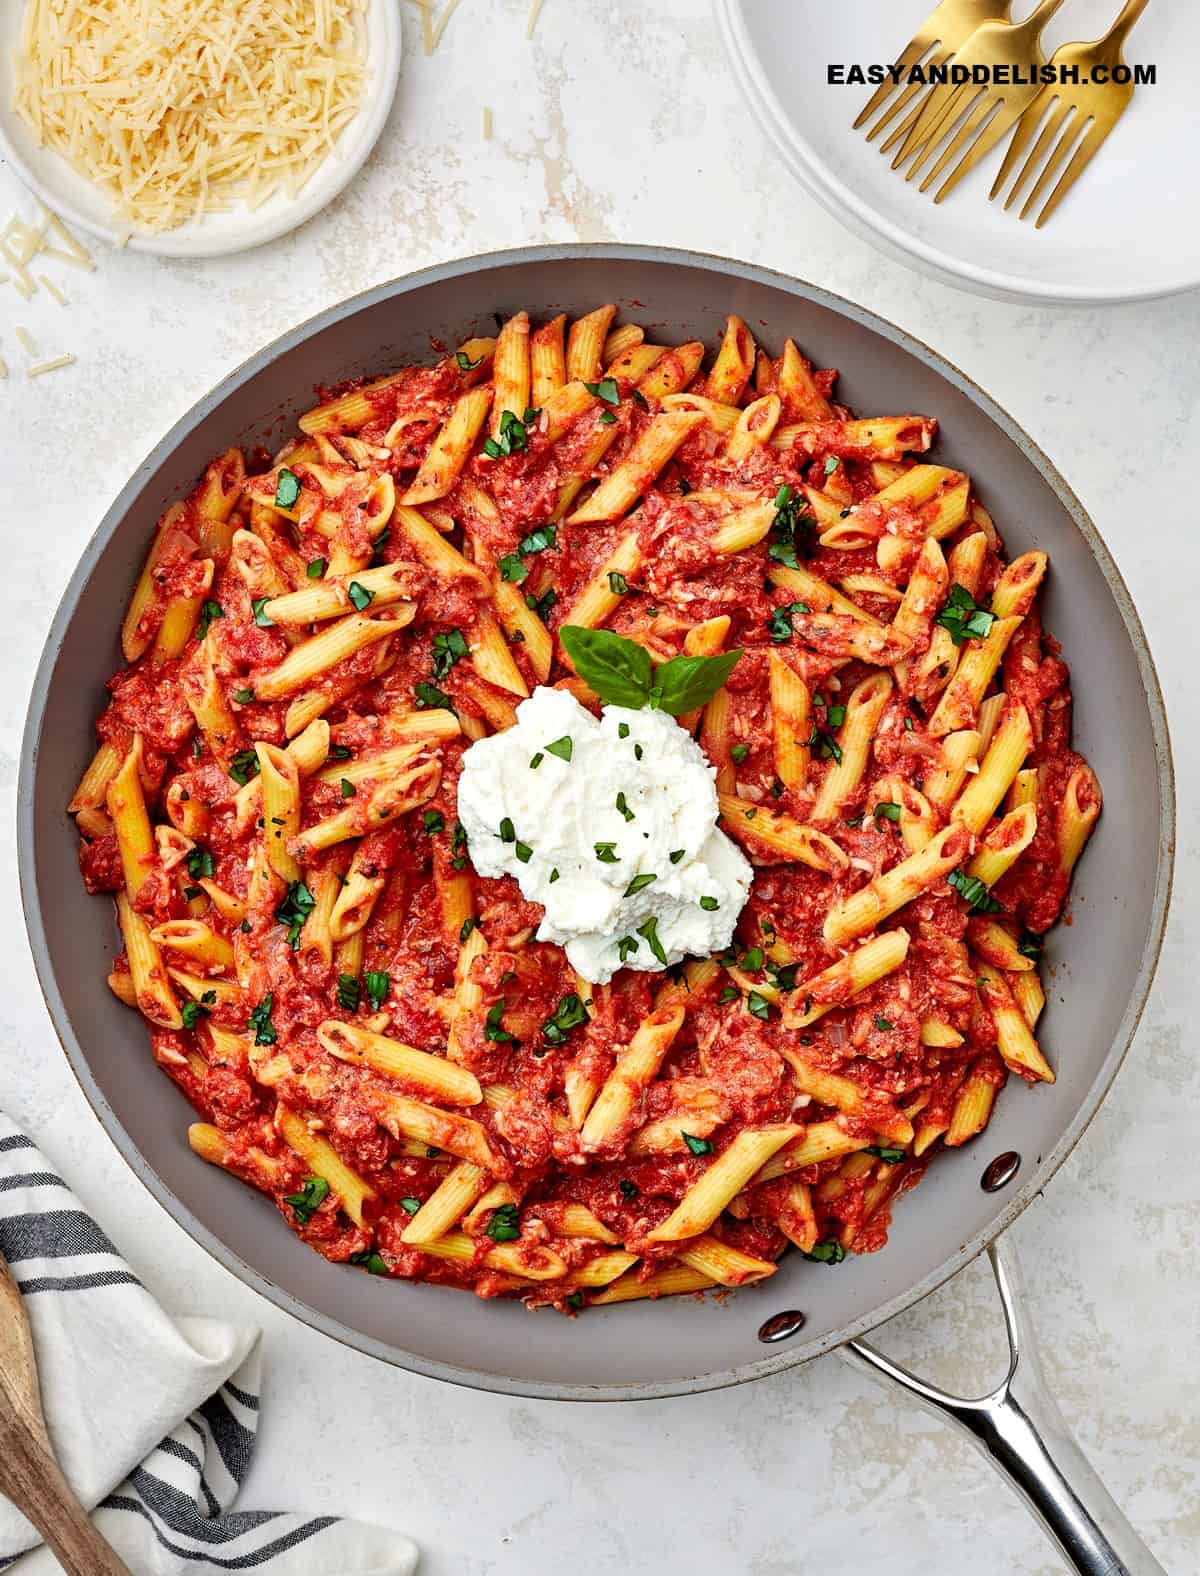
column 781, row 1325
column 1001, row 1171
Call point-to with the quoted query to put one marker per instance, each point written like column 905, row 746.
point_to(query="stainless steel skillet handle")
column 1020, row 1430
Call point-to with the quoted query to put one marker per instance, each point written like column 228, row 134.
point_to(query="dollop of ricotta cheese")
column 609, row 824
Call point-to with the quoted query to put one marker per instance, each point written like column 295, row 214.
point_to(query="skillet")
column 1101, row 965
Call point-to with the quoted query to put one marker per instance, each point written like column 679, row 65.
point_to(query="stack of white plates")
column 1130, row 228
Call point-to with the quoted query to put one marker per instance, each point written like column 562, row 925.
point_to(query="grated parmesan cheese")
column 176, row 108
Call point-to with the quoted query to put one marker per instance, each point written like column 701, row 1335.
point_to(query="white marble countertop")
column 620, row 122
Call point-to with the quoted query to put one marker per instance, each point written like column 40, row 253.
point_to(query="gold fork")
column 1084, row 107
column 994, row 44
column 945, row 30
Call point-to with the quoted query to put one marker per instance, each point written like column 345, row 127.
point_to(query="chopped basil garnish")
column 1030, row 943
column 348, row 788
column 886, row 810
column 208, row 611
column 541, row 605
column 465, row 929
column 649, row 933
column 494, row 1030
column 260, row 1021
column 428, row 695
column 552, row 877
column 627, row 946
column 752, row 960
column 606, row 853
column 410, row 1206
column 349, row 990
column 465, row 362
column 433, row 821
column 511, row 568
column 831, row 464
column 564, row 748
column 294, row 910
column 710, row 904
column 885, row 1152
column 973, row 892
column 758, row 1005
column 378, row 983
column 243, row 766
column 535, row 761
column 305, row 1205
column 617, row 582
column 884, row 1026
column 287, row 489
column 191, row 1012
column 504, row 1225
column 370, row 1260
column 359, row 595
column 623, row 807
column 606, row 390
column 698, row 1146
column 639, row 883
column 964, row 617
column 261, row 617
column 523, row 852
column 738, row 753
column 676, row 855
column 830, row 1252
column 730, row 993
column 779, row 625
column 792, row 530
column 449, row 646
column 243, row 696
column 512, row 437
column 199, row 863
column 569, row 1014
column 507, row 832
column 316, row 568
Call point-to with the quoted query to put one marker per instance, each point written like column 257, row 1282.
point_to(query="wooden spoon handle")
column 32, row 1479
column 29, row 1474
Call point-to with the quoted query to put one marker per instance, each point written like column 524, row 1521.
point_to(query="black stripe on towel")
column 30, row 1179
column 178, row 1510
column 174, row 1447
column 102, row 1278
column 242, row 1562
column 54, row 1234
column 233, row 1440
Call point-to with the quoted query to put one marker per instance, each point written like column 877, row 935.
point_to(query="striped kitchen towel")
column 153, row 1419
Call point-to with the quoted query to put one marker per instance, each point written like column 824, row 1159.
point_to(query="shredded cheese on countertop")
column 176, row 108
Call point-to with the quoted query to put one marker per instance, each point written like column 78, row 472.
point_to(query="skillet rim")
column 657, row 256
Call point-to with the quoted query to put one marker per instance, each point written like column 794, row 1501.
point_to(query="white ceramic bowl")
column 1128, row 231
column 83, row 205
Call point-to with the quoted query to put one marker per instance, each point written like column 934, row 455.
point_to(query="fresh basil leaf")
column 689, row 682
column 887, row 1153
column 349, row 990
column 619, row 671
column 698, row 1146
